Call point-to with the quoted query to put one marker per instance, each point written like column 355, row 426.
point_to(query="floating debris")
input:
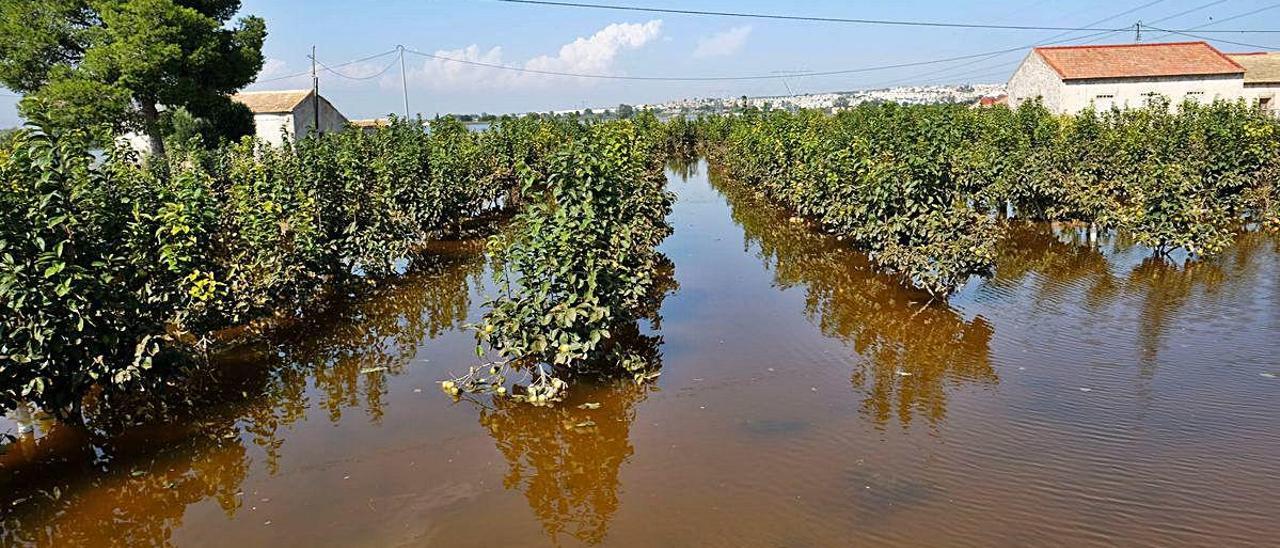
column 589, row 405
column 372, row 370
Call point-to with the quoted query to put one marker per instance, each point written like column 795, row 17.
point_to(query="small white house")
column 293, row 113
column 1069, row 79
column 275, row 114
column 1261, row 79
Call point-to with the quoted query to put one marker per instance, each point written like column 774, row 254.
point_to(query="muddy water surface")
column 1084, row 395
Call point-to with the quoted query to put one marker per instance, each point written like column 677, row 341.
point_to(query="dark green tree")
column 626, row 111
column 121, row 62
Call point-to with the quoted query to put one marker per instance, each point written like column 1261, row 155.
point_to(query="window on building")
column 1105, row 97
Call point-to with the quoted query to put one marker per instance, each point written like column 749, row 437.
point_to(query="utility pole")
column 404, row 82
column 1138, row 32
column 315, row 91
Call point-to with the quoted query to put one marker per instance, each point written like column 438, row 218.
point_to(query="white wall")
column 330, row 119
column 1134, row 92
column 1254, row 92
column 1035, row 78
column 272, row 128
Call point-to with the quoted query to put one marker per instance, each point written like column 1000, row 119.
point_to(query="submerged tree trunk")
column 151, row 125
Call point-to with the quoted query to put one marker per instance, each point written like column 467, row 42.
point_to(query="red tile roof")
column 1138, row 60
column 992, row 101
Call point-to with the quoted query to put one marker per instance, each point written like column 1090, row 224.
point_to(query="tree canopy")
column 120, row 62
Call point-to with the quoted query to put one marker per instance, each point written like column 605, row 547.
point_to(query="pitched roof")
column 1138, row 60
column 1259, row 68
column 371, row 123
column 266, row 102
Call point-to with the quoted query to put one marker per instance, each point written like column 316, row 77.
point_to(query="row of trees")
column 111, row 269
column 580, row 266
column 920, row 187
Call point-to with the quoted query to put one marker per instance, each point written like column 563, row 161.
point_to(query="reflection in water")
column 1057, row 262
column 1183, row 454
column 908, row 351
column 129, row 480
column 354, row 355
column 133, row 492
column 566, row 459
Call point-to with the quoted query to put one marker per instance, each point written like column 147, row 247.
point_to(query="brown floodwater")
column 1084, row 395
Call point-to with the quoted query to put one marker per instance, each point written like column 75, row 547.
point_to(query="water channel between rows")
column 1083, row 395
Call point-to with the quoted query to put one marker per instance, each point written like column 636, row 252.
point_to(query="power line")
column 1190, row 11
column 1050, row 40
column 340, row 65
column 359, row 78
column 1197, row 36
column 943, row 71
column 856, row 21
column 773, row 76
column 1220, row 21
column 891, row 22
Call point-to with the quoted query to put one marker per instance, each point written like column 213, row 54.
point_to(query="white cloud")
column 272, row 68
column 722, row 43
column 596, row 54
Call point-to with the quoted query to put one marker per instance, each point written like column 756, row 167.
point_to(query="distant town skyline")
column 559, row 39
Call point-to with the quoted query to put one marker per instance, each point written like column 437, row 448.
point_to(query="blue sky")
column 640, row 44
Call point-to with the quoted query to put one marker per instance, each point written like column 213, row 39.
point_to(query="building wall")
column 330, row 119
column 1136, row 92
column 272, row 128
column 1254, row 93
column 1036, row 79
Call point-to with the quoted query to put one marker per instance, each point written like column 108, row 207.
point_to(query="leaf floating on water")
column 1086, row 389
column 372, row 370
column 585, row 424
column 1268, row 375
column 138, row 473
column 591, row 405
column 902, row 373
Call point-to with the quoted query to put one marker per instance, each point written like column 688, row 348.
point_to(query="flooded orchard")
column 1085, row 394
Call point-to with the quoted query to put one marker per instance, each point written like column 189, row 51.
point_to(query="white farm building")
column 1261, row 79
column 293, row 113
column 1069, row 79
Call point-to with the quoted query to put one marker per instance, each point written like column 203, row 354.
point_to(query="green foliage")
column 224, row 122
column 580, row 264
column 916, row 187
column 107, row 266
column 885, row 177
column 76, row 295
column 83, row 62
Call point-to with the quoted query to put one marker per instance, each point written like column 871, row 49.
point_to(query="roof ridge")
column 1126, row 60
column 264, row 91
column 1131, row 45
